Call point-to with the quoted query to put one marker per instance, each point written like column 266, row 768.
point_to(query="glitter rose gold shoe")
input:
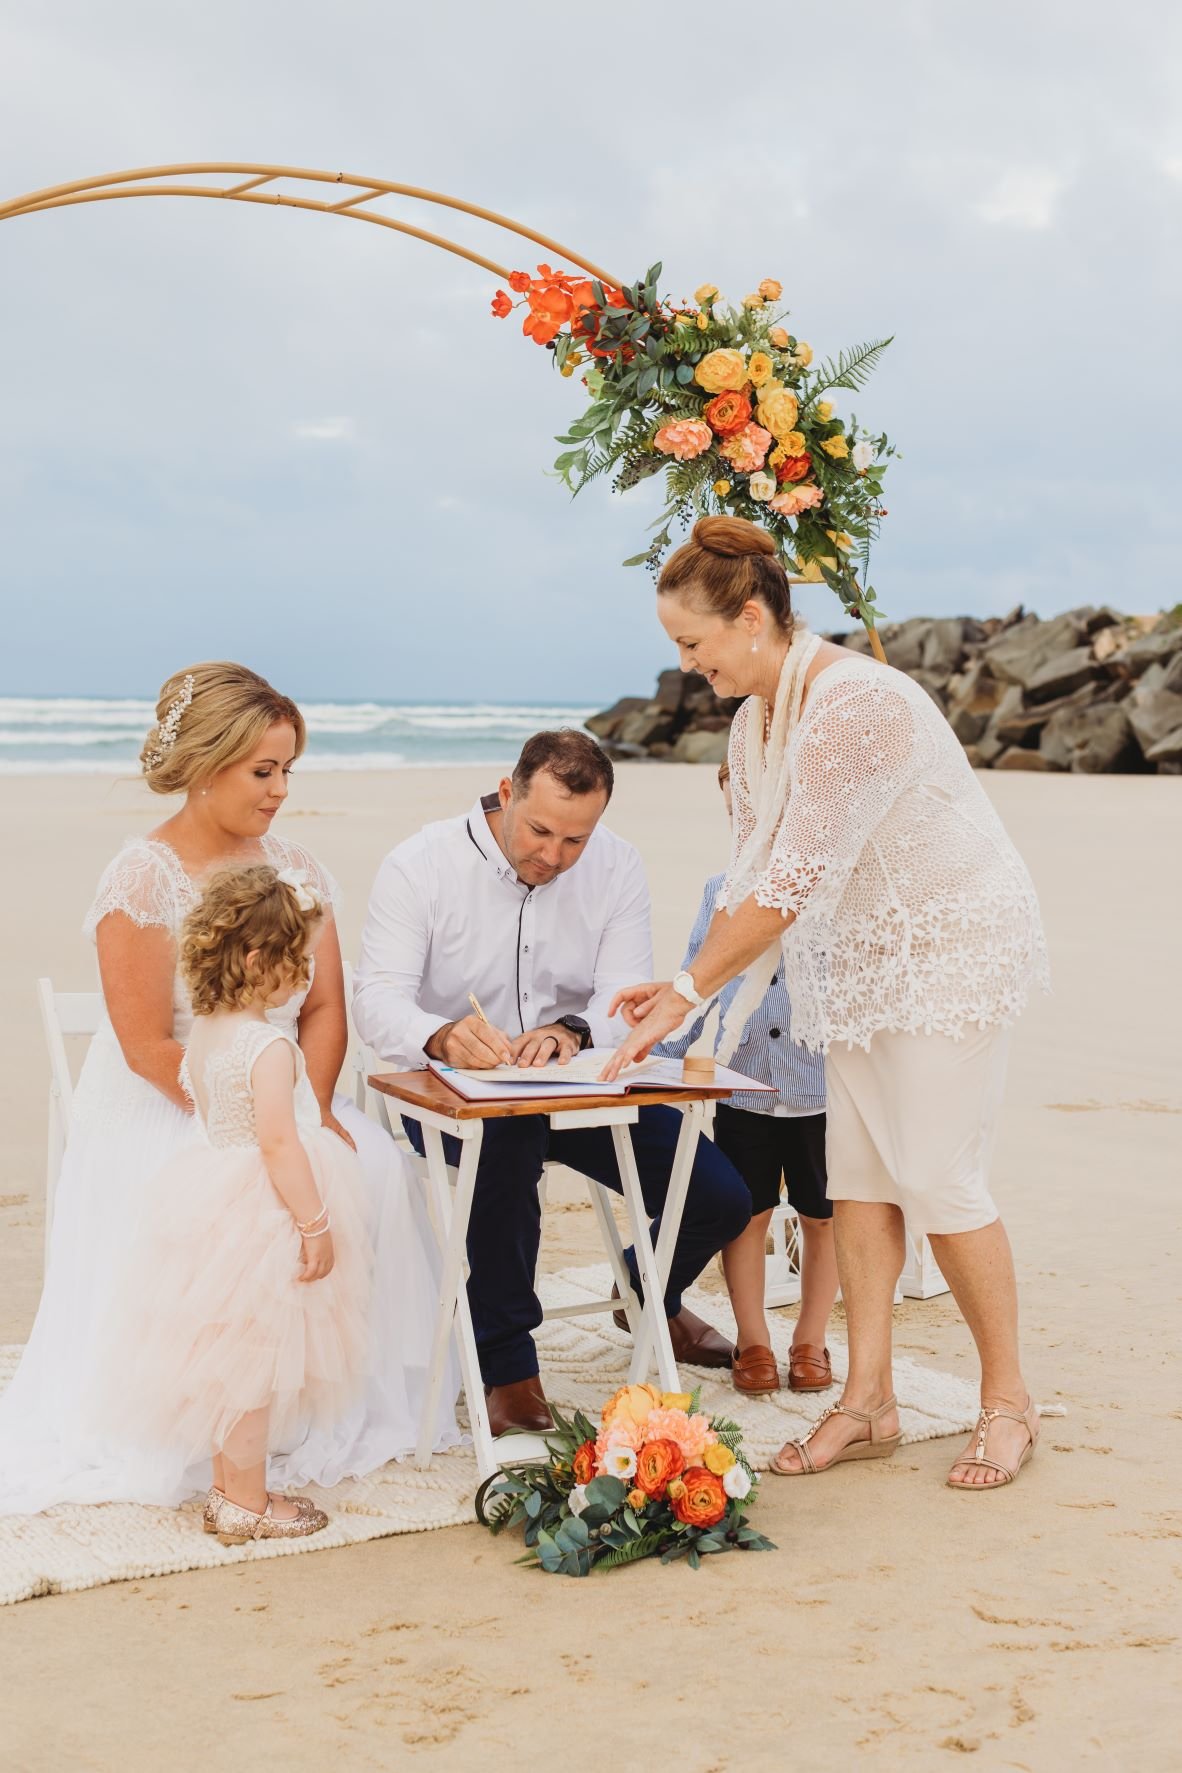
column 235, row 1525
column 209, row 1514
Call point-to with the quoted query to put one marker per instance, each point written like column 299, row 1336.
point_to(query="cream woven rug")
column 583, row 1361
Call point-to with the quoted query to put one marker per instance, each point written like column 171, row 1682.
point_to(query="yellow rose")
column 843, row 542
column 824, row 411
column 753, row 301
column 778, row 337
column 636, row 1499
column 809, row 571
column 721, row 372
column 718, row 1459
column 778, row 412
column 706, row 294
column 703, row 322
column 759, row 368
column 676, row 1400
column 795, row 443
column 804, row 354
column 632, row 1403
column 676, row 1489
column 837, row 447
column 721, row 488
column 770, row 290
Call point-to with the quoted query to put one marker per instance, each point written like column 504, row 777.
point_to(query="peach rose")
column 721, row 372
column 803, row 354
column 705, row 294
column 636, row 1499
column 795, row 499
column 692, row 1434
column 778, row 336
column 631, row 1403
column 656, row 1463
column 748, row 451
column 778, row 411
column 770, row 290
column 753, row 301
column 703, row 1501
column 727, row 414
column 684, row 438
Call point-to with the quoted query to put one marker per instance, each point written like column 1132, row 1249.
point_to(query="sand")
column 900, row 1624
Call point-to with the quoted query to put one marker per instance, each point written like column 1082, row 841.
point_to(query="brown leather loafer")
column 809, row 1368
column 692, row 1339
column 521, row 1405
column 755, row 1369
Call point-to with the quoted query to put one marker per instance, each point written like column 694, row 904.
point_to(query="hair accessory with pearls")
column 167, row 730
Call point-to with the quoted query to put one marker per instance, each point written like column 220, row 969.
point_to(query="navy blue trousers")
column 506, row 1224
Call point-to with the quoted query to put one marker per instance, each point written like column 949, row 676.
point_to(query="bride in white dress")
column 226, row 740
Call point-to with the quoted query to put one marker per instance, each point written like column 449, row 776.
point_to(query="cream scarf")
column 766, row 790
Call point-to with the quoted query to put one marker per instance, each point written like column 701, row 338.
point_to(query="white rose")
column 577, row 1500
column 761, row 486
column 620, row 1463
column 861, row 456
column 736, row 1483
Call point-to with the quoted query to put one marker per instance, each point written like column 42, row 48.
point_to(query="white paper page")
column 583, row 1069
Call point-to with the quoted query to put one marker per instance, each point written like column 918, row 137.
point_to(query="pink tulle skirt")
column 216, row 1323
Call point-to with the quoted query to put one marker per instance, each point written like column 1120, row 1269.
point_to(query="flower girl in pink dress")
column 251, row 1276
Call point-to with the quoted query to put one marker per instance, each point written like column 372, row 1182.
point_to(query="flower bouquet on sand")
column 657, row 1478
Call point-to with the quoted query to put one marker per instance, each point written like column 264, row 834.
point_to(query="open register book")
column 580, row 1077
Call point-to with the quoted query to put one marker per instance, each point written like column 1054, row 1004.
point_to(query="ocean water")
column 81, row 735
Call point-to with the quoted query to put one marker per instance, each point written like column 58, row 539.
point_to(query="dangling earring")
column 754, row 645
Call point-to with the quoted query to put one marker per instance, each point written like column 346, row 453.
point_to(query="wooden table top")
column 423, row 1089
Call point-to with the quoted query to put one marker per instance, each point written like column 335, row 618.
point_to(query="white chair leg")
column 610, row 1235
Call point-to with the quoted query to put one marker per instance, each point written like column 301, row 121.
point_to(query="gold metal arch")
column 247, row 186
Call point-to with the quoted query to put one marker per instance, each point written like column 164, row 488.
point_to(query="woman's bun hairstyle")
column 727, row 562
column 208, row 717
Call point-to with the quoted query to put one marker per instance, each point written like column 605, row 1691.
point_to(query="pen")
column 478, row 1010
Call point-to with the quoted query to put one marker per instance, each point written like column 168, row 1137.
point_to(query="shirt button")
column 774, row 1033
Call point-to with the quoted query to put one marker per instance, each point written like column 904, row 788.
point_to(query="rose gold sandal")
column 235, row 1525
column 1029, row 1416
column 877, row 1446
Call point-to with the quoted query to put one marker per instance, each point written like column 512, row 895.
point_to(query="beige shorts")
column 912, row 1122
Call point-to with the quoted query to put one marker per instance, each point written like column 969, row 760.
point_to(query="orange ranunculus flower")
column 778, row 336
column 632, row 1403
column 501, row 305
column 727, row 413
column 721, row 372
column 793, row 468
column 520, row 281
column 583, row 1463
column 703, row 1500
column 656, row 1463
column 770, row 290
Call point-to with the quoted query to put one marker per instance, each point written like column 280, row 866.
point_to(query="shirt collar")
column 480, row 833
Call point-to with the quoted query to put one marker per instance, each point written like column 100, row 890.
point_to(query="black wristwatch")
column 577, row 1026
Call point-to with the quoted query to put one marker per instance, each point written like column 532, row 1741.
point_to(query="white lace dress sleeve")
column 855, row 751
column 140, row 883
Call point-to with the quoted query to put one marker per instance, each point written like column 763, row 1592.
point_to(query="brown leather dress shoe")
column 809, row 1368
column 755, row 1369
column 521, row 1405
column 692, row 1339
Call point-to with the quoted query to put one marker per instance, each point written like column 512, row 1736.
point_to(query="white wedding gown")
column 123, row 1133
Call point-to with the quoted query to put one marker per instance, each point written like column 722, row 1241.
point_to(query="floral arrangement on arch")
column 657, row 1478
column 726, row 401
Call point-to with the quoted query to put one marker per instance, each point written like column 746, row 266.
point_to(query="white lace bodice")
column 147, row 882
column 914, row 911
column 216, row 1076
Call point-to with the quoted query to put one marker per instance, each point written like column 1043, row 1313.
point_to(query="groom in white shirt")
column 532, row 906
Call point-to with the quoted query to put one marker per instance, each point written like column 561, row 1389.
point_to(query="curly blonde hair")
column 240, row 911
column 208, row 717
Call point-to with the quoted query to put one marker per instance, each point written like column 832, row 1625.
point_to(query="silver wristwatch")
column 683, row 984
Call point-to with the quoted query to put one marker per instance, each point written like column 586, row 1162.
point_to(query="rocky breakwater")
column 1091, row 691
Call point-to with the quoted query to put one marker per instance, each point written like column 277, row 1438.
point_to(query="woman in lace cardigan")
column 226, row 741
column 865, row 847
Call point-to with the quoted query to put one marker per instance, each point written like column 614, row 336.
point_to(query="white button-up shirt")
column 448, row 916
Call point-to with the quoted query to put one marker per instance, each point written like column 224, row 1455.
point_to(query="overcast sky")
column 263, row 434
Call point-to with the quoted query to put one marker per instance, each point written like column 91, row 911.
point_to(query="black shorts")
column 766, row 1147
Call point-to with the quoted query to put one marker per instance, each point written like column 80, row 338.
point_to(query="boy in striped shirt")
column 768, row 1139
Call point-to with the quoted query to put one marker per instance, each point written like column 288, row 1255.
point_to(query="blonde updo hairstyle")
column 242, row 910
column 209, row 717
column 726, row 562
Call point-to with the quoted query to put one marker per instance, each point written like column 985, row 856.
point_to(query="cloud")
column 325, row 430
column 1023, row 197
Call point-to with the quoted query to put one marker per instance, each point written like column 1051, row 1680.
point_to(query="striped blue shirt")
column 767, row 1050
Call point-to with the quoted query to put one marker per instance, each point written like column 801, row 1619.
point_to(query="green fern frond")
column 645, row 1547
column 851, row 369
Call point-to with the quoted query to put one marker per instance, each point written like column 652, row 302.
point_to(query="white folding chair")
column 63, row 1013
